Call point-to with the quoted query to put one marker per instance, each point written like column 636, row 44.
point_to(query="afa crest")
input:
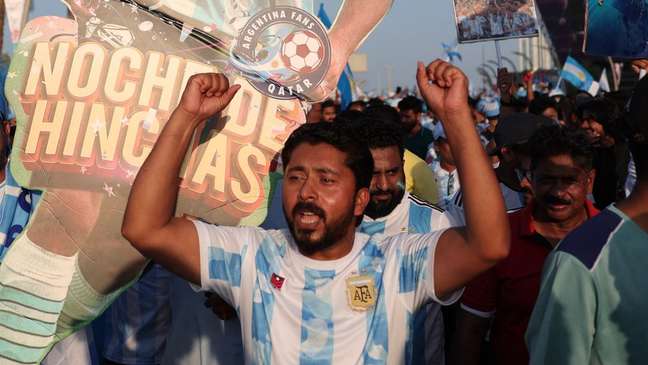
column 361, row 292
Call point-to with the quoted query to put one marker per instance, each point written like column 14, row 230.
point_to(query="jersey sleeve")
column 480, row 296
column 561, row 328
column 416, row 269
column 222, row 251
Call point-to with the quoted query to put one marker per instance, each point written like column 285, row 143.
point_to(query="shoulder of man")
column 586, row 243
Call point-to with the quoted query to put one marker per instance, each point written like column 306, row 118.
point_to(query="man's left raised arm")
column 463, row 253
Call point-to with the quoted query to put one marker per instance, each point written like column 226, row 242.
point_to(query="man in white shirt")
column 320, row 292
column 392, row 210
column 444, row 168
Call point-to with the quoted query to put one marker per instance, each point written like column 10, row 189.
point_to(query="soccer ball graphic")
column 302, row 51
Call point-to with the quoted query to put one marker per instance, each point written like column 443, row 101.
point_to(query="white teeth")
column 308, row 213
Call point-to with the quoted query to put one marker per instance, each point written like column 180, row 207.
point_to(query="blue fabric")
column 15, row 210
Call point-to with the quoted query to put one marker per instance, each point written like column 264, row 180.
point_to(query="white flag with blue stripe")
column 578, row 76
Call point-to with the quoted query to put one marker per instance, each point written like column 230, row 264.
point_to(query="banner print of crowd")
column 480, row 20
column 92, row 95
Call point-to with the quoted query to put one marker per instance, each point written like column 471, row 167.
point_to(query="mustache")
column 551, row 199
column 308, row 207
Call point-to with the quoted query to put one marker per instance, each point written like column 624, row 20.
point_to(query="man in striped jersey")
column 320, row 292
column 392, row 210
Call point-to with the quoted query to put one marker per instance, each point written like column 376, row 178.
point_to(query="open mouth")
column 307, row 218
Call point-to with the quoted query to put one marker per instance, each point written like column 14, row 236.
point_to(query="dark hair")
column 555, row 140
column 597, row 109
column 383, row 112
column 328, row 103
column 358, row 159
column 411, row 103
column 635, row 127
column 541, row 103
column 376, row 133
column 349, row 116
column 357, row 102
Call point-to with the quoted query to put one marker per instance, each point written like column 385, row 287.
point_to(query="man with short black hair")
column 561, row 176
column 329, row 111
column 320, row 291
column 418, row 139
column 392, row 210
column 593, row 306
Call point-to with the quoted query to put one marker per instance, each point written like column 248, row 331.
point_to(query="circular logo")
column 284, row 51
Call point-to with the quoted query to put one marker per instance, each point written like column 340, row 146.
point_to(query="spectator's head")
column 383, row 112
column 386, row 143
column 489, row 107
column 314, row 115
column 561, row 172
column 636, row 129
column 545, row 106
column 349, row 116
column 478, row 117
column 373, row 102
column 326, row 185
column 441, row 145
column 512, row 134
column 329, row 110
column 357, row 105
column 410, row 109
column 595, row 116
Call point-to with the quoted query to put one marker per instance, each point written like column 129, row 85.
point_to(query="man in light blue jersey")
column 593, row 304
column 392, row 210
column 320, row 292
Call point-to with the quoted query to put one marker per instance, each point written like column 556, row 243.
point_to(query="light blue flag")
column 451, row 52
column 578, row 76
column 344, row 85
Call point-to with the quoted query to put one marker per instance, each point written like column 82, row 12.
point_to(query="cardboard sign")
column 482, row 20
column 92, row 96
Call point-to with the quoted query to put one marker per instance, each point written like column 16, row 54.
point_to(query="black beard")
column 378, row 210
column 333, row 232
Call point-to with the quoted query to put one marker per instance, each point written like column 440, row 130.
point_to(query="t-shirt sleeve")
column 561, row 328
column 416, row 269
column 222, row 251
column 480, row 296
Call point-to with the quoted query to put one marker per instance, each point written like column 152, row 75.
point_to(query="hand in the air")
column 443, row 87
column 207, row 95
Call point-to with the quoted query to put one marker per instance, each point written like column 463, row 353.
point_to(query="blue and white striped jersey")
column 413, row 215
column 353, row 310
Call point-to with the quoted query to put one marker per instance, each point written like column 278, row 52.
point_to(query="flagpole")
column 498, row 51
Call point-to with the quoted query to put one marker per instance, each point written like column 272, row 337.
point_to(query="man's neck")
column 416, row 129
column 336, row 251
column 556, row 231
column 3, row 175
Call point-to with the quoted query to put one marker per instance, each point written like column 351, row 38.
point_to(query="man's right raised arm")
column 149, row 222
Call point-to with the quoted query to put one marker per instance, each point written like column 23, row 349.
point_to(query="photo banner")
column 616, row 29
column 485, row 20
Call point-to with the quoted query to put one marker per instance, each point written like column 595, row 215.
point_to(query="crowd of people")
column 429, row 228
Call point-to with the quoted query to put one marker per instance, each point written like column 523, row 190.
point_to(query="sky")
column 412, row 30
